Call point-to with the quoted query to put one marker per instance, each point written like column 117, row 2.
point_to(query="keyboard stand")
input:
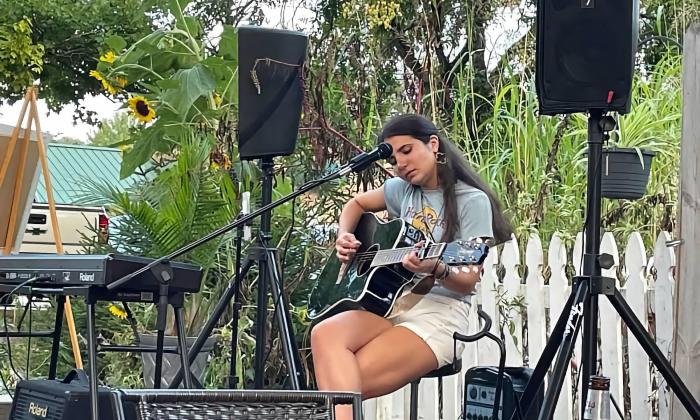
column 92, row 295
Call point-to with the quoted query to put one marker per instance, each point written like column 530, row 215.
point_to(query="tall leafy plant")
column 68, row 34
column 172, row 85
column 538, row 164
column 186, row 201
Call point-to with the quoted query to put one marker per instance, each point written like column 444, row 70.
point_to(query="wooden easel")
column 30, row 102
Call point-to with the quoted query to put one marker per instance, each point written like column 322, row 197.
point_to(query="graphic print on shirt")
column 425, row 220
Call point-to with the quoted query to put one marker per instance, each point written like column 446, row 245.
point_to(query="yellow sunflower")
column 106, row 84
column 117, row 312
column 108, row 57
column 141, row 109
column 96, row 74
column 110, row 88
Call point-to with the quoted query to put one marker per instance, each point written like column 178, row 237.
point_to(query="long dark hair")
column 456, row 168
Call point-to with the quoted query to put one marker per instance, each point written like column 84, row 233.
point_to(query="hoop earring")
column 440, row 158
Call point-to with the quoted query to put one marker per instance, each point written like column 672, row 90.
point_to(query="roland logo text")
column 87, row 277
column 37, row 410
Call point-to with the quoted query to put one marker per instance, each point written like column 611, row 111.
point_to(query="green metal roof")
column 73, row 166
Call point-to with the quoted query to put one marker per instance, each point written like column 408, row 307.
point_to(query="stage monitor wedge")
column 270, row 90
column 585, row 54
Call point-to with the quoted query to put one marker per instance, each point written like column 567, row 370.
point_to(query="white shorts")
column 435, row 318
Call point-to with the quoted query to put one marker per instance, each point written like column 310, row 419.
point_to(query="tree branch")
column 404, row 49
column 538, row 208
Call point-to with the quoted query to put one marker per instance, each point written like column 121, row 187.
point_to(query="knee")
column 323, row 335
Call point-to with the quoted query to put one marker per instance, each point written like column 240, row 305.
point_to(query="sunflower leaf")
column 146, row 143
column 137, row 156
column 194, row 83
column 228, row 46
column 168, row 84
column 116, row 43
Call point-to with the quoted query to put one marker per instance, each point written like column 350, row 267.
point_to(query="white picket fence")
column 645, row 280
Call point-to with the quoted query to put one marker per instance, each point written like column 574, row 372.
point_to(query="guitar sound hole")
column 364, row 261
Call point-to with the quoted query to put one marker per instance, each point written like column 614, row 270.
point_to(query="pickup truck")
column 75, row 224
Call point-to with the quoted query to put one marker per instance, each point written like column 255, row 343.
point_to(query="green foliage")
column 229, row 12
column 112, row 132
column 186, row 200
column 187, row 88
column 428, row 42
column 21, row 60
column 538, row 164
column 662, row 26
column 71, row 33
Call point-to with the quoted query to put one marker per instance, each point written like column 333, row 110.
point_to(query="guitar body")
column 359, row 286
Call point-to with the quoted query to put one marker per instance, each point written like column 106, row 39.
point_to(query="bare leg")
column 334, row 342
column 362, row 352
column 392, row 360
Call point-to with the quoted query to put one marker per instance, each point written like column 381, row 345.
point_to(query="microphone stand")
column 356, row 164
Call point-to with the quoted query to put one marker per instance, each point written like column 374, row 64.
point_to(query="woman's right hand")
column 346, row 246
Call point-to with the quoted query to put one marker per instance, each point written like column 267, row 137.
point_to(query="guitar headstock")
column 471, row 252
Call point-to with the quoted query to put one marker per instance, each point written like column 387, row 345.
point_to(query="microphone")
column 365, row 159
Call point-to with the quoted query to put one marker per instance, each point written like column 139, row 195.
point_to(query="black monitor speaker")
column 585, row 54
column 270, row 90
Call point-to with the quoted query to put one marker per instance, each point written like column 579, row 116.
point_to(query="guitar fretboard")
column 394, row 256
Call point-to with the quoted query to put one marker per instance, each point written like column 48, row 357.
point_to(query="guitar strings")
column 369, row 255
column 395, row 251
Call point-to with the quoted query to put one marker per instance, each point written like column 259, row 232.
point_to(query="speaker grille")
column 233, row 411
column 24, row 398
column 230, row 404
column 585, row 54
column 270, row 90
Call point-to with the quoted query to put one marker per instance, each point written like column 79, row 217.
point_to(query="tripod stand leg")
column 550, row 350
column 589, row 354
column 260, row 324
column 182, row 344
column 656, row 356
column 158, row 373
column 55, row 345
column 207, row 329
column 92, row 359
column 284, row 322
column 571, row 329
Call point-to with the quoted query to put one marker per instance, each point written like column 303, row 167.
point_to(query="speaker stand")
column 269, row 276
column 582, row 305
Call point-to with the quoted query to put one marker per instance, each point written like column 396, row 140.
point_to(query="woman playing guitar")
column 436, row 191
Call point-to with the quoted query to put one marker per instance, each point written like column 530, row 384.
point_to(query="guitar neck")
column 395, row 255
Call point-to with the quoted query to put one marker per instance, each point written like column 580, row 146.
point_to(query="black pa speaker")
column 585, row 54
column 270, row 90
column 65, row 399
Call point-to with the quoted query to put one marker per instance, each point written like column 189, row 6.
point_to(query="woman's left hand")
column 412, row 263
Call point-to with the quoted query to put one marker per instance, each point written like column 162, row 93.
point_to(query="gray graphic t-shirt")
column 424, row 209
